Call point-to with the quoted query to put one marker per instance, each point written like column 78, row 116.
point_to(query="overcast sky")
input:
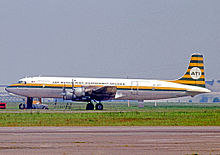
column 151, row 39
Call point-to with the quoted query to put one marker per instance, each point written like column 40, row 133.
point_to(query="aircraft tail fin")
column 195, row 73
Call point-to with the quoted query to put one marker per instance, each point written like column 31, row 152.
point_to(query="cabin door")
column 134, row 87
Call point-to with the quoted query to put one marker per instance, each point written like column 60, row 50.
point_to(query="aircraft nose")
column 8, row 89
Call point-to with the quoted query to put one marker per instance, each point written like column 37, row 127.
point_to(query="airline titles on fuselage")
column 78, row 82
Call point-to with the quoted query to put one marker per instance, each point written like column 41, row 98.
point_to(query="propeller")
column 73, row 85
column 65, row 93
column 73, row 88
column 64, row 90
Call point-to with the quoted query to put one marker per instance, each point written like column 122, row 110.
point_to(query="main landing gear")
column 29, row 102
column 98, row 106
column 90, row 106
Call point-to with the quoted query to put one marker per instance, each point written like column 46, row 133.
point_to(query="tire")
column 46, row 108
column 99, row 106
column 89, row 106
column 21, row 106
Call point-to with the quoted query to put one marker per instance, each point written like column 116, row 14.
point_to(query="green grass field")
column 199, row 118
column 115, row 114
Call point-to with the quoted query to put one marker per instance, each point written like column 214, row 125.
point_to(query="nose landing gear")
column 29, row 102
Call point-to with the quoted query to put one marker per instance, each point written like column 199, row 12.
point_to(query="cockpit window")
column 22, row 82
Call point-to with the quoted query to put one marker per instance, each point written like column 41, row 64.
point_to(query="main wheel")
column 99, row 106
column 89, row 106
column 21, row 106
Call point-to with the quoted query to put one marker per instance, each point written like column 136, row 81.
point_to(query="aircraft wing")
column 101, row 93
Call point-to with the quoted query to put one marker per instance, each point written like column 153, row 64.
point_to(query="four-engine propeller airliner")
column 98, row 89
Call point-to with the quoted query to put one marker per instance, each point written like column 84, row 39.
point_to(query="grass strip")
column 160, row 118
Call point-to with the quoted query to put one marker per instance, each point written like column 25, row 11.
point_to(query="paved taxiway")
column 109, row 140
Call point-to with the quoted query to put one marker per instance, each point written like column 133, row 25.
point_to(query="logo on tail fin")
column 195, row 73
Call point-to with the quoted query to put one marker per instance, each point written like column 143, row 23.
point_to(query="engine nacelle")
column 69, row 96
column 77, row 94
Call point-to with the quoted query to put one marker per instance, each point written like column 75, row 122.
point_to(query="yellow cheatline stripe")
column 196, row 58
column 21, row 84
column 126, row 87
column 202, row 70
column 169, row 88
column 30, row 84
column 189, row 82
column 41, row 85
column 53, row 85
column 123, row 87
column 144, row 87
column 188, row 76
column 196, row 64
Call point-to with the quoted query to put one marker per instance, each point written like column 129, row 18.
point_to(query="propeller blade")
column 72, row 84
column 64, row 90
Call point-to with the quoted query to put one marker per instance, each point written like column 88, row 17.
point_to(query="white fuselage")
column 127, row 89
